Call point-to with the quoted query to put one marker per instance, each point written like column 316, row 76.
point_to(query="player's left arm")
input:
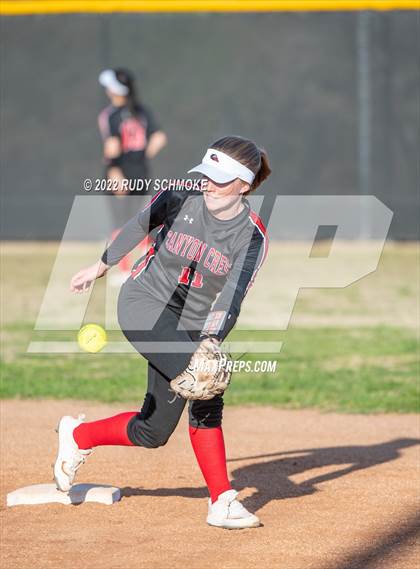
column 225, row 310
column 156, row 137
column 136, row 229
column 157, row 141
column 150, row 217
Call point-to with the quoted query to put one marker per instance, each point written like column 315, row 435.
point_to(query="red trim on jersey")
column 103, row 121
column 256, row 220
column 144, row 263
column 150, row 254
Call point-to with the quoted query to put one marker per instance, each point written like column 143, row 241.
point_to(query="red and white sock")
column 209, row 449
column 208, row 446
column 110, row 431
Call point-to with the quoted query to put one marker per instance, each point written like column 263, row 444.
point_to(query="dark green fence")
column 334, row 97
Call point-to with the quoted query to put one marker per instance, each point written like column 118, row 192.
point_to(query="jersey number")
column 185, row 276
column 133, row 135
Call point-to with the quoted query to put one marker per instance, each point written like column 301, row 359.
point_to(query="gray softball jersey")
column 200, row 266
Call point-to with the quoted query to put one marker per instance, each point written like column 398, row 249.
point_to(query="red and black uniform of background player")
column 191, row 283
column 134, row 131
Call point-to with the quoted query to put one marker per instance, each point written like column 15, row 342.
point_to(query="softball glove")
column 208, row 373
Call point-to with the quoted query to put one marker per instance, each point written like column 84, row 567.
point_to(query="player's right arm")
column 156, row 137
column 82, row 280
column 109, row 127
column 134, row 231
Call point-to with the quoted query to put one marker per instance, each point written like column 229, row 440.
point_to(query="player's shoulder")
column 258, row 236
column 255, row 224
column 109, row 118
column 108, row 111
column 103, row 116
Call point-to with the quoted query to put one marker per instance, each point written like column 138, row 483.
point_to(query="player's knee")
column 206, row 414
column 142, row 433
column 156, row 439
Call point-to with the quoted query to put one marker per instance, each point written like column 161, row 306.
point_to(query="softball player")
column 131, row 137
column 189, row 286
column 130, row 133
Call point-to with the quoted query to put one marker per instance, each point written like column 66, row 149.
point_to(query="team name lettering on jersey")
column 192, row 248
column 216, row 262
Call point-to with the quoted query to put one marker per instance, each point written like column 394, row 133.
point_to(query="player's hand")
column 82, row 280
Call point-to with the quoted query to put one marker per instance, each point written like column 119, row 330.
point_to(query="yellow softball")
column 92, row 338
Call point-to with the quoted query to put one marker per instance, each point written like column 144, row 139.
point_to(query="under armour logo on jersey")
column 189, row 219
column 214, row 157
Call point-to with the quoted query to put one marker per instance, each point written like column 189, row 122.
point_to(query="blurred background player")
column 131, row 138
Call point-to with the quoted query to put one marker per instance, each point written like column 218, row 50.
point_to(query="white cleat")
column 69, row 457
column 228, row 513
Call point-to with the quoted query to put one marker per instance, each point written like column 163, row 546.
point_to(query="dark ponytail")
column 126, row 78
column 248, row 154
column 264, row 170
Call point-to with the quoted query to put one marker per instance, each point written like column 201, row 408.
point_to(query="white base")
column 48, row 493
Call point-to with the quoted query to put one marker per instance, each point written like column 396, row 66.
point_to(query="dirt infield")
column 333, row 492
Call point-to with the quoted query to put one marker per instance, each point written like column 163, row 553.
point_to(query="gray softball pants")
column 162, row 409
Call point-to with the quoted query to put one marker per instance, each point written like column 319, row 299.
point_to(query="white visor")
column 109, row 80
column 222, row 169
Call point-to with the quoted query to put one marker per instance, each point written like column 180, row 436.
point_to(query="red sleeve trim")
column 256, row 221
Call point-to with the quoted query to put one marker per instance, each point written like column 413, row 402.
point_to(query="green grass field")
column 353, row 349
